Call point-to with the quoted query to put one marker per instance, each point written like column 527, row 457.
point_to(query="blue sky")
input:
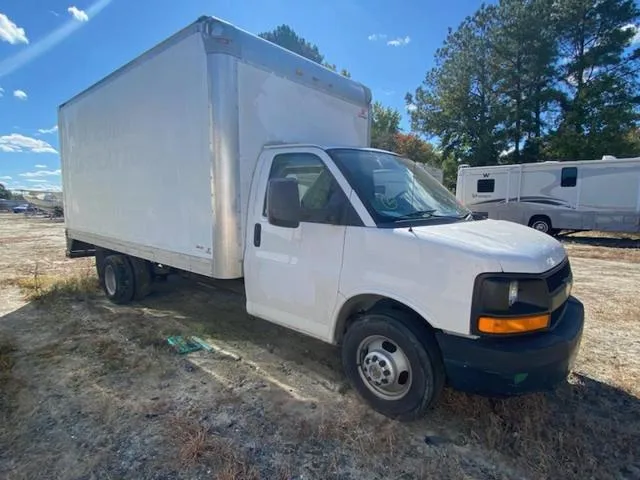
column 51, row 50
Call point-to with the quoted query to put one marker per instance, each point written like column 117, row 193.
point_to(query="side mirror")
column 283, row 202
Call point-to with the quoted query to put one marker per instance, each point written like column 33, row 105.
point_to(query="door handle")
column 257, row 234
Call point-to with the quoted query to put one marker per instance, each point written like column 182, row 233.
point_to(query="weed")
column 198, row 445
column 46, row 288
column 7, row 348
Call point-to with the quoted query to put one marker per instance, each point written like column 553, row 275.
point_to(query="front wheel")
column 394, row 363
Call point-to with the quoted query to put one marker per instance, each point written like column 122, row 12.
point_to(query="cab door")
column 292, row 274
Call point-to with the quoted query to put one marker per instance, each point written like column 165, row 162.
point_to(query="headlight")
column 509, row 305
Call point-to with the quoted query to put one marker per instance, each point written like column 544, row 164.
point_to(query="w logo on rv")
column 486, row 175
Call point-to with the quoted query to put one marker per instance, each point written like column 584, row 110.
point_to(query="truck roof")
column 222, row 37
column 324, row 147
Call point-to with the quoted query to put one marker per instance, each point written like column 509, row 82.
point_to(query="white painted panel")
column 136, row 157
column 276, row 110
column 609, row 189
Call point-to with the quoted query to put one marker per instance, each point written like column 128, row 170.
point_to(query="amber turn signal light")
column 513, row 324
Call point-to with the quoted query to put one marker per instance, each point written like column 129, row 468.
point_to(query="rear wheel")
column 541, row 223
column 143, row 277
column 117, row 280
column 394, row 363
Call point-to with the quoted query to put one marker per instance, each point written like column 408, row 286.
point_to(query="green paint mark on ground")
column 182, row 345
column 520, row 377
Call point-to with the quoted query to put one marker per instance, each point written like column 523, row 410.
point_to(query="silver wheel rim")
column 384, row 367
column 541, row 226
column 110, row 280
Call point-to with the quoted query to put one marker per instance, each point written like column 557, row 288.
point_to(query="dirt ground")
column 90, row 390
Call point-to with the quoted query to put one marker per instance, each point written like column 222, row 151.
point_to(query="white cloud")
column 412, row 107
column 399, row 42
column 55, row 14
column 49, row 41
column 41, row 173
column 6, row 177
column 53, row 129
column 636, row 32
column 40, row 166
column 40, row 187
column 10, row 32
column 377, row 36
column 20, row 94
column 37, row 180
column 16, row 142
column 1, row 92
column 78, row 14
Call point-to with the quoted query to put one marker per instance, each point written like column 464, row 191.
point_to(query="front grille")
column 556, row 281
column 559, row 277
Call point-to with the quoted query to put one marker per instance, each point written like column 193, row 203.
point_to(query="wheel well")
column 539, row 217
column 364, row 303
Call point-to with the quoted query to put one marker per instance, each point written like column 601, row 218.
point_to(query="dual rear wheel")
column 123, row 278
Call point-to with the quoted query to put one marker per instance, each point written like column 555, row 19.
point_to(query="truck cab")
column 361, row 248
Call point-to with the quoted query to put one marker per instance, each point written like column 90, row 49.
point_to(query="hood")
column 517, row 248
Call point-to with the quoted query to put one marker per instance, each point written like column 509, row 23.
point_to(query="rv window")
column 569, row 177
column 486, row 185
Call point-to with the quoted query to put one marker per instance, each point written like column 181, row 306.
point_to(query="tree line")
column 385, row 124
column 518, row 81
column 531, row 80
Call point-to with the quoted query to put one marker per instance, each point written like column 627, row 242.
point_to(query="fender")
column 343, row 299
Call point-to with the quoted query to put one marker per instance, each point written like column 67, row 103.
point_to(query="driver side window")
column 321, row 198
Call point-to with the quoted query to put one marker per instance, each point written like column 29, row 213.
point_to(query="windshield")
column 395, row 189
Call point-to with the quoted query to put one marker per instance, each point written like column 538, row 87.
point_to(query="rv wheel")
column 542, row 224
column 394, row 363
column 118, row 279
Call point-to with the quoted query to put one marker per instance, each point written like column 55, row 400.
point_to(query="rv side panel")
column 584, row 195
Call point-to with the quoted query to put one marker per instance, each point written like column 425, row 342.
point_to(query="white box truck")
column 221, row 154
column 551, row 196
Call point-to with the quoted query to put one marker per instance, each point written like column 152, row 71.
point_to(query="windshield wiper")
column 425, row 214
column 418, row 214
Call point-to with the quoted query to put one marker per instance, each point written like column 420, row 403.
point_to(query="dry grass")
column 198, row 445
column 7, row 349
column 92, row 391
column 46, row 288
column 585, row 430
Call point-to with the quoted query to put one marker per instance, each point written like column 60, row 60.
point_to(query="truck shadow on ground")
column 610, row 242
column 584, row 426
column 584, row 429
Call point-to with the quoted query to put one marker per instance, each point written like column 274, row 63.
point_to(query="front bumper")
column 516, row 365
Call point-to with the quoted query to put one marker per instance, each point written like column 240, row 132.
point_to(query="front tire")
column 394, row 363
column 118, row 279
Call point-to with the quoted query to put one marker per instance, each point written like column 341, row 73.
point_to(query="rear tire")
column 117, row 279
column 541, row 224
column 101, row 255
column 394, row 363
column 143, row 278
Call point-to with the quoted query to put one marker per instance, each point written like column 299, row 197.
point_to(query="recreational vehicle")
column 551, row 196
